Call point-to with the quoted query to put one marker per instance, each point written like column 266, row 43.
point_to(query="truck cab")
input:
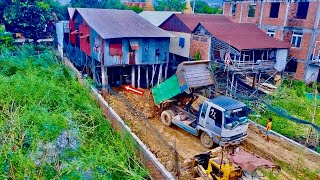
column 222, row 120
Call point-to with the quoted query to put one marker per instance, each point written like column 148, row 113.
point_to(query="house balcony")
column 259, row 65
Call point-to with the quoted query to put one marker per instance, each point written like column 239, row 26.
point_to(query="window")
column 204, row 110
column 302, row 10
column 195, row 38
column 251, row 10
column 233, row 9
column 181, row 42
column 88, row 39
column 271, row 33
column 296, row 39
column 216, row 115
column 203, row 39
column 274, row 10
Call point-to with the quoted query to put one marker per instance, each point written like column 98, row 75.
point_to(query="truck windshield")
column 234, row 115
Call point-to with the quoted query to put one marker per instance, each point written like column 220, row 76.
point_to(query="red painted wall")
column 85, row 39
column 72, row 28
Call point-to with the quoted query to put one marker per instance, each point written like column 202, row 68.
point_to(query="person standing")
column 269, row 124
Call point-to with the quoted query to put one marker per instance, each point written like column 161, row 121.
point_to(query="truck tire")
column 206, row 140
column 166, row 117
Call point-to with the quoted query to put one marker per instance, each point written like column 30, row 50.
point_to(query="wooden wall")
column 175, row 24
column 150, row 51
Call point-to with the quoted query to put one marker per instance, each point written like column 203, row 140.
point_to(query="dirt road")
column 296, row 163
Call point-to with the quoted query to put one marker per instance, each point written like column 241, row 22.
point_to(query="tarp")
column 280, row 111
column 166, row 90
column 249, row 162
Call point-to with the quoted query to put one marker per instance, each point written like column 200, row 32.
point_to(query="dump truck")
column 231, row 164
column 221, row 120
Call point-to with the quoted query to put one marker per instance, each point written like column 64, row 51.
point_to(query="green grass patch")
column 52, row 129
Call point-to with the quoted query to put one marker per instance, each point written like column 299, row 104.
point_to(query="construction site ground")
column 295, row 162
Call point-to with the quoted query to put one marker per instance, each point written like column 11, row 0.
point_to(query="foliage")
column 291, row 97
column 203, row 8
column 109, row 4
column 52, row 129
column 135, row 9
column 29, row 17
column 170, row 5
column 6, row 38
column 197, row 55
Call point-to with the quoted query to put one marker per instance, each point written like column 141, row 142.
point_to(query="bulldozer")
column 234, row 165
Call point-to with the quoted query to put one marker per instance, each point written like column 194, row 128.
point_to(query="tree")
column 29, row 17
column 135, row 9
column 106, row 4
column 5, row 38
column 204, row 8
column 170, row 5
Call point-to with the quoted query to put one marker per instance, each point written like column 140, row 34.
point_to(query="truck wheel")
column 206, row 140
column 166, row 117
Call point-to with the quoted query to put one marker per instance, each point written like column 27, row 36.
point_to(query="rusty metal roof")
column 112, row 23
column 243, row 36
column 192, row 20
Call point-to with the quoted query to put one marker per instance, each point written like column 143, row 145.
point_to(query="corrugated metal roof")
column 157, row 17
column 111, row 23
column 71, row 12
column 227, row 103
column 243, row 36
column 192, row 20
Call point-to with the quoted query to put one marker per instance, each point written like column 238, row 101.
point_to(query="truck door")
column 214, row 122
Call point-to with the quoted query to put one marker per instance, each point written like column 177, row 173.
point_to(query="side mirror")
column 228, row 126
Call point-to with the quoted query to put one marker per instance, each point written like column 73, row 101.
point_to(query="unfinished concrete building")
column 296, row 22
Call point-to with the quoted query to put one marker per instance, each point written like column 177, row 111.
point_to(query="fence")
column 165, row 153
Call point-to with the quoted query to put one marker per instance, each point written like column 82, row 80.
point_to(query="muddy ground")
column 293, row 160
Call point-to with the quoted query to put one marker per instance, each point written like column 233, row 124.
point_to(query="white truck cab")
column 224, row 120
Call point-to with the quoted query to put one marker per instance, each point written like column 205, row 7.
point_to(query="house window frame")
column 255, row 8
column 233, row 9
column 294, row 39
column 272, row 4
column 271, row 32
column 306, row 11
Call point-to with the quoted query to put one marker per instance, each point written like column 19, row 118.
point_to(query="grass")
column 52, row 129
column 290, row 96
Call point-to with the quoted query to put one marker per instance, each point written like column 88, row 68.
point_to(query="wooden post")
column 104, row 79
column 93, row 69
column 232, row 81
column 153, row 73
column 138, row 76
column 133, row 76
column 160, row 74
column 147, row 75
column 166, row 71
column 254, row 80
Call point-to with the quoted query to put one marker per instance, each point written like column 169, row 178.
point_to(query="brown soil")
column 289, row 157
